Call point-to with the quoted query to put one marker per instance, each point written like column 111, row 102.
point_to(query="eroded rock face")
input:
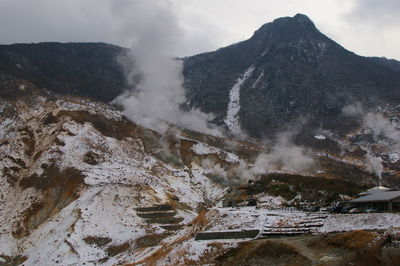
column 58, row 188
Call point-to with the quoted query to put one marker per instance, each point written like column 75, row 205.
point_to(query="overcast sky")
column 367, row 27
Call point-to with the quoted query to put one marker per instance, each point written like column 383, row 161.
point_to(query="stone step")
column 318, row 217
column 148, row 215
column 155, row 208
column 312, row 221
column 286, row 229
column 311, row 224
column 165, row 220
column 227, row 235
column 285, row 233
column 172, row 227
column 289, row 227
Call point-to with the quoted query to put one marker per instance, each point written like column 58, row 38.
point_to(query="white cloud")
column 384, row 12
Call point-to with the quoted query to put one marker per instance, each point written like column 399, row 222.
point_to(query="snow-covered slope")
column 70, row 189
column 80, row 184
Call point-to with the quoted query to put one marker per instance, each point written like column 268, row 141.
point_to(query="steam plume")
column 374, row 164
column 381, row 126
column 382, row 130
column 213, row 168
column 285, row 156
column 154, row 36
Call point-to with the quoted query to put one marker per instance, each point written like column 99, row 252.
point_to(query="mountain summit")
column 288, row 70
column 287, row 25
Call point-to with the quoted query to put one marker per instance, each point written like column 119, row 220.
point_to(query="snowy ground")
column 205, row 149
column 123, row 178
column 252, row 218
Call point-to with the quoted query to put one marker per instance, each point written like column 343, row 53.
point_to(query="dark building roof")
column 378, row 197
column 376, row 189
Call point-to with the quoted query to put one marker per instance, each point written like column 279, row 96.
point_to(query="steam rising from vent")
column 382, row 130
column 154, row 36
column 213, row 168
column 353, row 110
column 381, row 126
column 285, row 156
column 374, row 164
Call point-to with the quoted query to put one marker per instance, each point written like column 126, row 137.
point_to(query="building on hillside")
column 382, row 201
column 375, row 190
column 227, row 203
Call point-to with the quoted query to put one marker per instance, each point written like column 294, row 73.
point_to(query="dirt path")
column 315, row 255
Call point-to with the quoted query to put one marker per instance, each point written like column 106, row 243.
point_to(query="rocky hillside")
column 390, row 63
column 76, row 179
column 286, row 72
column 84, row 69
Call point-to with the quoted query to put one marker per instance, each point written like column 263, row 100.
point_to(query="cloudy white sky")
column 367, row 27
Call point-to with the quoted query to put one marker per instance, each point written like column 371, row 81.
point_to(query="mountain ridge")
column 83, row 69
column 291, row 58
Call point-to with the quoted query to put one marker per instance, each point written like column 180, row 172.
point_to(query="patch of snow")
column 322, row 47
column 363, row 221
column 232, row 158
column 395, row 122
column 232, row 114
column 91, row 107
column 394, row 157
column 210, row 189
column 201, row 148
column 198, row 251
column 204, row 149
column 269, row 202
column 265, row 52
column 258, row 80
column 247, row 218
column 320, row 137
